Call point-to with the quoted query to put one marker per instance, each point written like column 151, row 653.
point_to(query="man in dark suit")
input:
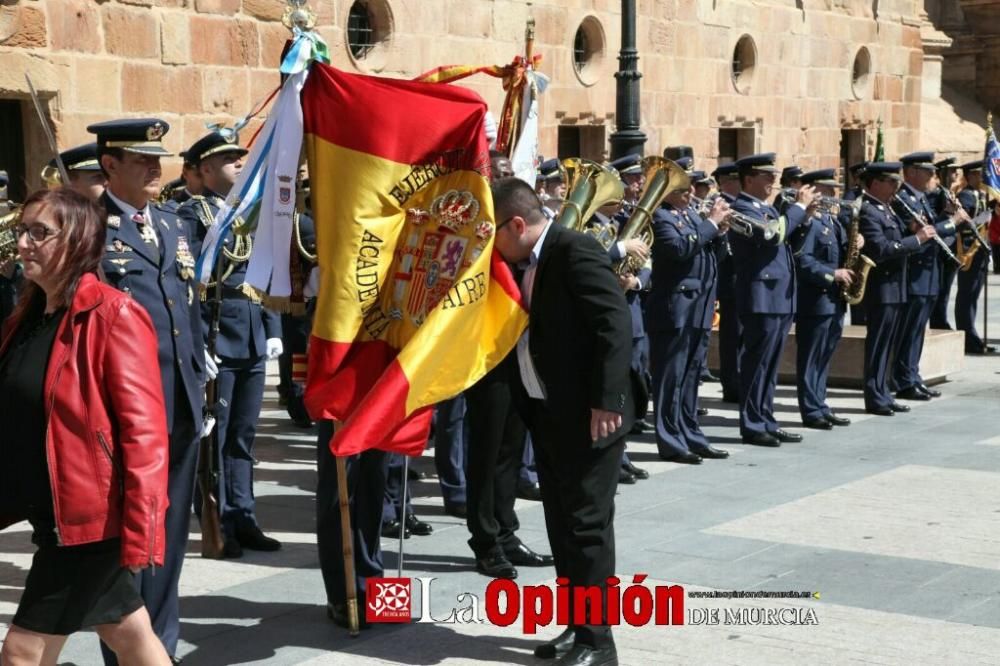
column 820, row 252
column 923, row 273
column 576, row 394
column 971, row 280
column 728, row 178
column 886, row 293
column 249, row 335
column 765, row 294
column 148, row 256
column 680, row 307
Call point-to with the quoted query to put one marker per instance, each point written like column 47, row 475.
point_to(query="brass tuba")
column 861, row 265
column 662, row 177
column 588, row 187
column 8, row 237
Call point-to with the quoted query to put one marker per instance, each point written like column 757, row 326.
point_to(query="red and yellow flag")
column 413, row 305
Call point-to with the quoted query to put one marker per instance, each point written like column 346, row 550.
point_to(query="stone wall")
column 197, row 61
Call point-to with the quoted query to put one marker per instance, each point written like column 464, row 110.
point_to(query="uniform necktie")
column 145, row 231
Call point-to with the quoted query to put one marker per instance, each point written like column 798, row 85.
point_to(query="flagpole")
column 402, row 514
column 347, row 541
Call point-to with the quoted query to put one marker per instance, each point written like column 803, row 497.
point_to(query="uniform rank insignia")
column 185, row 261
column 756, row 204
column 114, row 221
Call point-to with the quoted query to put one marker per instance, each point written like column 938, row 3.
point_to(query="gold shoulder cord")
column 242, row 243
column 298, row 240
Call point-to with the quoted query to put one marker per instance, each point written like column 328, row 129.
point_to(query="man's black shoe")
column 522, row 556
column 838, row 420
column 583, row 655
column 418, row 527
column 558, row 646
column 896, row 407
column 912, row 393
column 626, row 477
column 302, row 422
column 711, row 452
column 338, row 613
column 390, row 530
column 496, row 565
column 702, row 411
column 707, row 376
column 414, row 474
column 637, row 472
column 929, row 391
column 818, row 424
column 231, row 549
column 532, row 492
column 254, row 539
column 456, row 509
column 729, row 396
column 881, row 411
column 761, row 439
column 786, row 437
column 686, row 458
column 175, row 659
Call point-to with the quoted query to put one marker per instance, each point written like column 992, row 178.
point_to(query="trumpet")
column 921, row 219
column 745, row 225
column 832, row 205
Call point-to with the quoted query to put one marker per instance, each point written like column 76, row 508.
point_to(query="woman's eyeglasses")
column 38, row 233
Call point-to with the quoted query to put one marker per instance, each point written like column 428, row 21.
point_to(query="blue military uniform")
column 148, row 256
column 729, row 319
column 640, row 345
column 886, row 294
column 971, row 280
column 680, row 308
column 766, row 300
column 924, row 276
column 245, row 325
column 939, row 203
column 819, row 320
column 296, row 324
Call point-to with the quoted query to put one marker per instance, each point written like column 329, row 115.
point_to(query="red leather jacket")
column 106, row 441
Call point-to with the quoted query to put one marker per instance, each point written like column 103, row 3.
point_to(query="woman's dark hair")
column 81, row 241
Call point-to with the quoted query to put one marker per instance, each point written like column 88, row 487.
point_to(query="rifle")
column 208, row 472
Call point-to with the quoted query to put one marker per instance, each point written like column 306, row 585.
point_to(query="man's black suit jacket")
column 580, row 340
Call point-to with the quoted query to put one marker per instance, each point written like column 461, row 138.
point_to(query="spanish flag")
column 413, row 304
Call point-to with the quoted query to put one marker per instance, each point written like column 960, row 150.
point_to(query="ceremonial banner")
column 413, row 305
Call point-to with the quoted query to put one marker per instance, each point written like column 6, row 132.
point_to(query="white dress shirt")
column 532, row 383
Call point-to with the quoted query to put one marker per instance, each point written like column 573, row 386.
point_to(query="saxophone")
column 861, row 265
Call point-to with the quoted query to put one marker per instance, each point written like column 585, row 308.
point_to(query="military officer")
column 727, row 177
column 147, row 255
column 609, row 222
column 970, row 281
column 765, row 294
column 888, row 283
column 248, row 335
column 85, row 175
column 940, row 204
column 551, row 187
column 296, row 324
column 702, row 184
column 819, row 319
column 790, row 182
column 185, row 187
column 923, row 273
column 680, row 308
column 857, row 189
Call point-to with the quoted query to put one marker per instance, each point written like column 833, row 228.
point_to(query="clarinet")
column 921, row 219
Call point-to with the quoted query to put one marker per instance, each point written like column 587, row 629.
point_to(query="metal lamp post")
column 628, row 138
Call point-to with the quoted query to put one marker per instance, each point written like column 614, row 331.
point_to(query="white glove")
column 207, row 427
column 274, row 348
column 211, row 366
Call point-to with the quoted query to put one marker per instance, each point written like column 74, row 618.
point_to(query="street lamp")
column 627, row 139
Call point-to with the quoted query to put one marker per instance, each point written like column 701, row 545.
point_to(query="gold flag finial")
column 298, row 15
column 529, row 38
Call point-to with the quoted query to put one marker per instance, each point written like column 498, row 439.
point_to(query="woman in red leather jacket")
column 85, row 447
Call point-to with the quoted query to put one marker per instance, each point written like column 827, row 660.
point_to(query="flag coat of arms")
column 413, row 304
